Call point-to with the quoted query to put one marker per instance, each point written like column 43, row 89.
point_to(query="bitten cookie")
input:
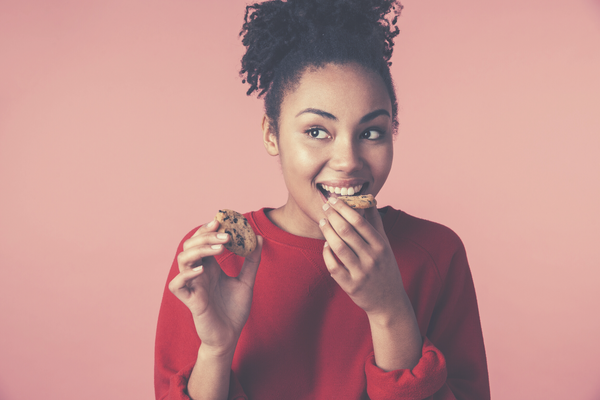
column 243, row 239
column 362, row 201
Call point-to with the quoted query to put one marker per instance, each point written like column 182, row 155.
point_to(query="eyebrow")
column 322, row 113
column 369, row 117
column 373, row 114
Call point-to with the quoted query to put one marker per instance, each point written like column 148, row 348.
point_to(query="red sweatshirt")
column 305, row 338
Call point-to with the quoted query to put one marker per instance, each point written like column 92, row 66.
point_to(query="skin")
column 335, row 128
column 332, row 101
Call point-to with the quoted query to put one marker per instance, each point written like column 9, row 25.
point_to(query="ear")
column 269, row 137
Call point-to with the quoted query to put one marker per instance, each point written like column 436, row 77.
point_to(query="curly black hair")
column 283, row 38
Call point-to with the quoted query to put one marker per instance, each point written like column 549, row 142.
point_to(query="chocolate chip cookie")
column 243, row 239
column 362, row 201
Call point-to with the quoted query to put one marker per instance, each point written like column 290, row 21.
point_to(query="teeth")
column 345, row 191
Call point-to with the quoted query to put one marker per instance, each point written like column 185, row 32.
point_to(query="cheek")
column 301, row 161
column 382, row 163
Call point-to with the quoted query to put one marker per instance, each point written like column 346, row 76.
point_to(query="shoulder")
column 426, row 233
column 437, row 242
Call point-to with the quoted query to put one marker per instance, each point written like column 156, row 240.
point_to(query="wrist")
column 216, row 354
column 398, row 312
column 211, row 374
column 396, row 337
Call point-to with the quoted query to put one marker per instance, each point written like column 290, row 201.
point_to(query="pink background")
column 123, row 124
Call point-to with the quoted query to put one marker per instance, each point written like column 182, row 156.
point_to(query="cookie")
column 362, row 201
column 243, row 239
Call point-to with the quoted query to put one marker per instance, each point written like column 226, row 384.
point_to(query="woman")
column 334, row 302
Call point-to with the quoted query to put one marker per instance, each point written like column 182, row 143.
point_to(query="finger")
column 336, row 269
column 194, row 256
column 206, row 238
column 345, row 228
column 208, row 227
column 251, row 263
column 204, row 233
column 360, row 224
column 339, row 246
column 179, row 284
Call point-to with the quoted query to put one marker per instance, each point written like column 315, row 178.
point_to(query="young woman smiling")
column 345, row 304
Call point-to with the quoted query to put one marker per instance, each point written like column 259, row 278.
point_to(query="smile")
column 342, row 191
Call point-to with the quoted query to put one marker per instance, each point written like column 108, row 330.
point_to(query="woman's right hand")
column 220, row 304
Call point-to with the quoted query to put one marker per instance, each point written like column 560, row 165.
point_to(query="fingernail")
column 326, row 244
column 216, row 246
column 211, row 223
column 322, row 223
column 325, row 206
column 333, row 200
column 222, row 236
column 198, row 268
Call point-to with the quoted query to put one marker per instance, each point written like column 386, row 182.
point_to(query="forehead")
column 342, row 90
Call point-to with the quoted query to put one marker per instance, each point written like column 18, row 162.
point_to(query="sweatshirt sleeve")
column 177, row 344
column 453, row 364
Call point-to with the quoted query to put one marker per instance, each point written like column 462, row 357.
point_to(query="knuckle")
column 352, row 290
column 185, row 258
column 332, row 268
column 191, row 242
column 173, row 285
column 336, row 247
column 356, row 220
column 344, row 230
column 339, row 249
column 369, row 264
column 361, row 278
column 379, row 247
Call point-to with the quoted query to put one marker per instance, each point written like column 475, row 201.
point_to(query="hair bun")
column 273, row 29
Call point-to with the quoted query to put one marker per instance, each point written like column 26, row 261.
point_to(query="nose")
column 345, row 156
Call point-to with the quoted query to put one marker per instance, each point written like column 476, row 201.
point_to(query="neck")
column 293, row 220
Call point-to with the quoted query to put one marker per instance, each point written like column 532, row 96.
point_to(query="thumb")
column 251, row 263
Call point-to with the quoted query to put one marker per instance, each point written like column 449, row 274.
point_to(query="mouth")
column 335, row 191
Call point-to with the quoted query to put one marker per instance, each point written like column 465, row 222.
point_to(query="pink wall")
column 114, row 121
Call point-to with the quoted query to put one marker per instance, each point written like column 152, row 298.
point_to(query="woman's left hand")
column 368, row 271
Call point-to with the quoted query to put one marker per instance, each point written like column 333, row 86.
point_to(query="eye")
column 317, row 133
column 371, row 134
